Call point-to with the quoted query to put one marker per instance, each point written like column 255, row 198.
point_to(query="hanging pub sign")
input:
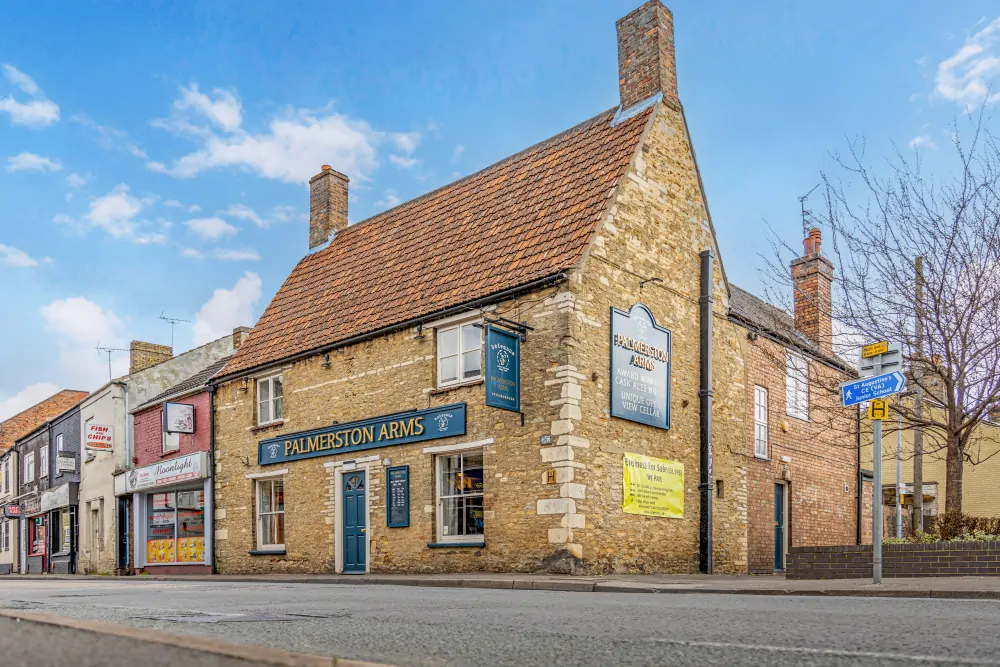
column 503, row 369
column 178, row 418
column 398, row 502
column 640, row 367
column 12, row 510
column 397, row 429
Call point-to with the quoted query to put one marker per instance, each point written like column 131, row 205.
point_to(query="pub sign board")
column 640, row 367
column 396, row 429
column 178, row 418
column 398, row 504
column 12, row 510
column 503, row 369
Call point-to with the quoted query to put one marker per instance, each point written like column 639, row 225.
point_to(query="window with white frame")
column 43, row 461
column 760, row 422
column 271, row 514
column 796, row 386
column 459, row 353
column 269, row 399
column 460, row 497
column 29, row 468
column 59, row 443
column 171, row 441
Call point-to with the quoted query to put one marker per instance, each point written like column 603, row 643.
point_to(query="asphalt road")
column 445, row 626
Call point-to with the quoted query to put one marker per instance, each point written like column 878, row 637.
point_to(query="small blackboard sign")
column 398, row 502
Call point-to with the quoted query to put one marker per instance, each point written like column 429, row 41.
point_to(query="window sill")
column 267, row 552
column 267, row 425
column 761, row 458
column 453, row 545
column 458, row 385
column 801, row 419
column 171, row 452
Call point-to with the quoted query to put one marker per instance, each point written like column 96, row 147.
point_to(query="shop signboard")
column 99, row 437
column 31, row 505
column 503, row 369
column 640, row 367
column 12, row 511
column 178, row 418
column 397, row 429
column 65, row 463
column 166, row 473
column 57, row 497
column 652, row 486
column 398, row 504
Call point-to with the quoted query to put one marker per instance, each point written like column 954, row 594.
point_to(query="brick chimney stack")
column 143, row 355
column 812, row 279
column 239, row 335
column 327, row 205
column 646, row 61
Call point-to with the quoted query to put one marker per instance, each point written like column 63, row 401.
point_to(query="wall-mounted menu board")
column 398, row 501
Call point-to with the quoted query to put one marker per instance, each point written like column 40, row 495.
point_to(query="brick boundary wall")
column 940, row 559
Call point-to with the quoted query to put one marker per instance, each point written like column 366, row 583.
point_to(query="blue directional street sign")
column 879, row 386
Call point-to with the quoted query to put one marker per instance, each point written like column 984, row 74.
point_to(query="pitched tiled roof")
column 525, row 218
column 196, row 381
column 25, row 422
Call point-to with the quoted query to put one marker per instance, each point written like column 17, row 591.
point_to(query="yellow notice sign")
column 878, row 408
column 652, row 487
column 874, row 349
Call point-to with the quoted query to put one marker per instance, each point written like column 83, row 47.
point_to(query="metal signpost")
column 876, row 383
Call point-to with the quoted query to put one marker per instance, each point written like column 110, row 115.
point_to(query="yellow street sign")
column 878, row 408
column 874, row 349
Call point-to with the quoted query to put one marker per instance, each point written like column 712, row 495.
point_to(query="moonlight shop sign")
column 397, row 429
column 640, row 367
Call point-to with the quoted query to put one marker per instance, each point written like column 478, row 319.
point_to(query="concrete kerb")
column 251, row 654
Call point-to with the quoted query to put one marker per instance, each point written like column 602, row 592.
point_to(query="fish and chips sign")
column 99, row 438
column 640, row 367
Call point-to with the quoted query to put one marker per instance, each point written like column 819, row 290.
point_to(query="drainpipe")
column 211, row 464
column 706, row 301
column 861, row 479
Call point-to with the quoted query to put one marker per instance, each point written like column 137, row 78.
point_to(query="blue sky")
column 153, row 156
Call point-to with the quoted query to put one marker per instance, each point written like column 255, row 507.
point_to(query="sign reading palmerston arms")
column 503, row 369
column 397, row 429
column 640, row 367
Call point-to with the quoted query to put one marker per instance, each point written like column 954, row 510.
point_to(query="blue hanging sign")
column 398, row 429
column 640, row 367
column 503, row 369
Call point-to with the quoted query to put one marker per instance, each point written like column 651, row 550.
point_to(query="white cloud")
column 227, row 309
column 966, row 77
column 11, row 256
column 37, row 112
column 922, row 141
column 389, row 199
column 31, row 162
column 76, row 180
column 211, row 229
column 110, row 138
column 173, row 203
column 79, row 325
column 31, row 395
column 222, row 108
column 280, row 213
column 191, row 253
column 117, row 213
column 244, row 212
column 456, row 153
column 403, row 162
column 405, row 142
column 236, row 255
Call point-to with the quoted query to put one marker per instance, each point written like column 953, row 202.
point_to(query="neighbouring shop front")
column 60, row 508
column 34, row 554
column 10, row 515
column 172, row 515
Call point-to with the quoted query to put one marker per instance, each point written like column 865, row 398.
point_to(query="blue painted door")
column 355, row 524
column 779, row 527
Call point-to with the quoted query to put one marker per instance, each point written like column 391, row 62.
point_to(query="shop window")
column 459, row 354
column 796, row 386
column 28, row 476
column 460, row 497
column 171, row 442
column 43, row 461
column 271, row 514
column 175, row 527
column 36, row 536
column 270, row 399
column 760, row 422
column 62, row 531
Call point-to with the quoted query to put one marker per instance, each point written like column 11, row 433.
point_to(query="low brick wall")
column 943, row 559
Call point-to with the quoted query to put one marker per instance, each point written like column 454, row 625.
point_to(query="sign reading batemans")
column 640, row 367
column 652, row 486
column 99, row 437
column 503, row 369
column 397, row 429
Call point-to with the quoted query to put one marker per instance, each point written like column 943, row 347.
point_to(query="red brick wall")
column 822, row 485
column 27, row 421
column 148, row 431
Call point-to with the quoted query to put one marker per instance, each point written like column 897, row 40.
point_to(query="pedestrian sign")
column 874, row 349
column 866, row 389
column 878, row 408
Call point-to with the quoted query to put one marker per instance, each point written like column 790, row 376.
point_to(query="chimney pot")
column 812, row 279
column 327, row 205
column 646, row 59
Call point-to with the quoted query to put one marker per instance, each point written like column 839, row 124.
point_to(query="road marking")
column 876, row 655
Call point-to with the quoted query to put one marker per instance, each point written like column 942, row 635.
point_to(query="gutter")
column 211, row 463
column 392, row 328
column 705, row 487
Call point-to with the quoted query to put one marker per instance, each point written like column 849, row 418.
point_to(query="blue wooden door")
column 355, row 510
column 779, row 527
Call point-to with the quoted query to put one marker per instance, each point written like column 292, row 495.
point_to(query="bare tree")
column 879, row 221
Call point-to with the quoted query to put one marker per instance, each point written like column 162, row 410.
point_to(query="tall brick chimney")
column 327, row 205
column 143, row 355
column 646, row 61
column 812, row 279
column 239, row 335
